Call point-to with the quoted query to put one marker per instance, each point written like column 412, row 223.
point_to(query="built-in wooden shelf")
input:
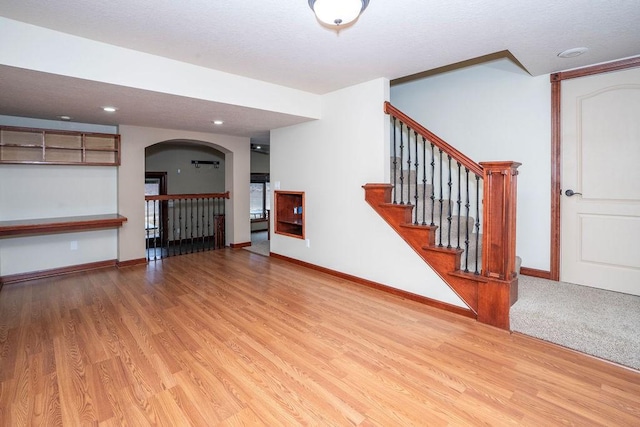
column 289, row 213
column 57, row 147
column 60, row 225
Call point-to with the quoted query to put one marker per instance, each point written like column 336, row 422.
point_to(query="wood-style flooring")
column 232, row 338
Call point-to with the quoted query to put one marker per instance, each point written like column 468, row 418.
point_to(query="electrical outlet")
column 308, row 241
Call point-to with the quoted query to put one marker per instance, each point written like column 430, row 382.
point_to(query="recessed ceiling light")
column 64, row 118
column 218, row 122
column 572, row 53
column 110, row 109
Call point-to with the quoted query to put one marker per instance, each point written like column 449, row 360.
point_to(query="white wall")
column 495, row 111
column 182, row 176
column 330, row 159
column 49, row 191
column 259, row 162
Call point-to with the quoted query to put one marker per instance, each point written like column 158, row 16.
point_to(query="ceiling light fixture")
column 338, row 12
column 110, row 109
column 64, row 118
column 572, row 53
column 218, row 122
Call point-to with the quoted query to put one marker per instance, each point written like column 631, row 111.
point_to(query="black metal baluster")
column 215, row 230
column 441, row 199
column 197, row 227
column 207, row 242
column 203, row 230
column 466, row 227
column 209, row 223
column 477, row 221
column 215, row 219
column 205, row 222
column 164, row 218
column 155, row 230
column 408, row 166
column 459, row 202
column 401, row 168
column 160, row 230
column 449, row 207
column 191, row 222
column 433, row 185
column 424, row 181
column 395, row 159
column 187, row 225
column 172, row 239
column 146, row 226
column 416, row 164
column 220, row 224
column 213, row 222
column 221, row 230
column 180, row 206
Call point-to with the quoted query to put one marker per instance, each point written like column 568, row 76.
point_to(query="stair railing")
column 442, row 184
column 477, row 200
column 179, row 224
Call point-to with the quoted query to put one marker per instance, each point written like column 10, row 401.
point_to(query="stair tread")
column 412, row 225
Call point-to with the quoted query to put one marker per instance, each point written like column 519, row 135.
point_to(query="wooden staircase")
column 490, row 293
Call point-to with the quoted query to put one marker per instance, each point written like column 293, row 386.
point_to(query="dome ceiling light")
column 572, row 53
column 336, row 13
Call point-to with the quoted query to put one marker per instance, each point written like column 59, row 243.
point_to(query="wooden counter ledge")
column 60, row 225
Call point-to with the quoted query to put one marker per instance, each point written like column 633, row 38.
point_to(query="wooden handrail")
column 433, row 138
column 164, row 197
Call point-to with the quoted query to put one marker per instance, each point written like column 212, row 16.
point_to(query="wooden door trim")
column 556, row 145
column 163, row 191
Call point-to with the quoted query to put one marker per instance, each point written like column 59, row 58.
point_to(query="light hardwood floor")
column 233, row 338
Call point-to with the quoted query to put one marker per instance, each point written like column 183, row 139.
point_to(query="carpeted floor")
column 601, row 323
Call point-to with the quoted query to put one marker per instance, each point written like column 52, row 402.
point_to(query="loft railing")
column 179, row 224
column 472, row 204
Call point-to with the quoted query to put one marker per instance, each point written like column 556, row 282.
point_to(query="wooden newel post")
column 496, row 296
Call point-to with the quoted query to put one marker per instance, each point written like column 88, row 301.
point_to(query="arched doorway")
column 184, row 198
column 135, row 139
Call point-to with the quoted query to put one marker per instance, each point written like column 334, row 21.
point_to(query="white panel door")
column 600, row 228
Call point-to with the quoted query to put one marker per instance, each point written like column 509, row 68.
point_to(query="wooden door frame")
column 556, row 152
column 164, row 208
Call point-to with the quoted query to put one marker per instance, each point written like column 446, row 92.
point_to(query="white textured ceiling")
column 279, row 41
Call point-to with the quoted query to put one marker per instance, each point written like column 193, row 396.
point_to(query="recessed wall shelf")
column 289, row 213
